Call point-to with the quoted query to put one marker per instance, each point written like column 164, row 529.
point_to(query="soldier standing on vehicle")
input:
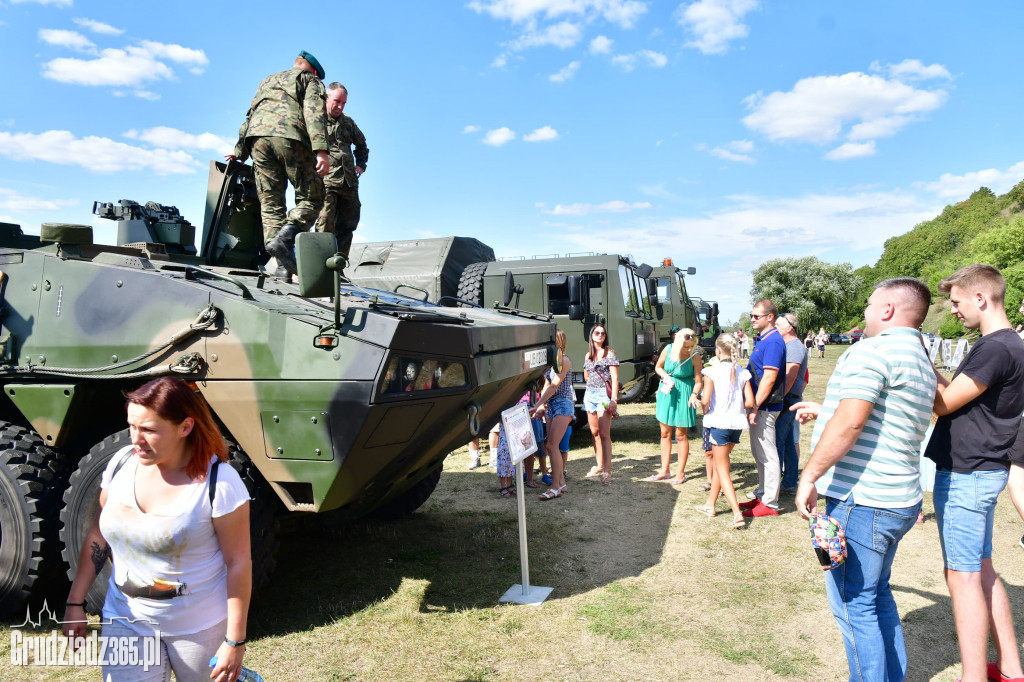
column 285, row 133
column 340, row 213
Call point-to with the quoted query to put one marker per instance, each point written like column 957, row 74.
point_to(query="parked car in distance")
column 856, row 335
column 844, row 339
column 836, row 338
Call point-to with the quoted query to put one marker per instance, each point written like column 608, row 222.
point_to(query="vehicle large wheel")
column 32, row 478
column 81, row 502
column 412, row 499
column 471, row 284
column 637, row 391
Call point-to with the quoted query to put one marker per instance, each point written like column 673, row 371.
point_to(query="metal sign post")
column 522, row 443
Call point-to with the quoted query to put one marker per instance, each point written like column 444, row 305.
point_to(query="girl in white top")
column 725, row 400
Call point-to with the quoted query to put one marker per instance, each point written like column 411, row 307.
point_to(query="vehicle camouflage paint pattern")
column 332, row 397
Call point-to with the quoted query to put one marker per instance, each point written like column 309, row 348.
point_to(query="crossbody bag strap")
column 213, row 481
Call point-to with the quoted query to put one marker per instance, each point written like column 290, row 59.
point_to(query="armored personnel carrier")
column 331, row 396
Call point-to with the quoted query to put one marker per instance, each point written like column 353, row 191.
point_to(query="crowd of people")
column 866, row 448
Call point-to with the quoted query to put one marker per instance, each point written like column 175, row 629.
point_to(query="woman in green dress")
column 679, row 368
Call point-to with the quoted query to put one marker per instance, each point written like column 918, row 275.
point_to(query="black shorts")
column 1016, row 452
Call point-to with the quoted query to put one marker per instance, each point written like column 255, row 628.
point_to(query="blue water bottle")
column 245, row 676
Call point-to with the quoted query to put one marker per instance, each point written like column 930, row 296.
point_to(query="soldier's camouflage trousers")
column 276, row 161
column 340, row 214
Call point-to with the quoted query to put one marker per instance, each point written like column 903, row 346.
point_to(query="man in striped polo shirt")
column 864, row 459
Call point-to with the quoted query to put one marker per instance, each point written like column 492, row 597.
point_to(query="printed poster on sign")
column 958, row 354
column 934, row 349
column 519, row 432
column 947, row 352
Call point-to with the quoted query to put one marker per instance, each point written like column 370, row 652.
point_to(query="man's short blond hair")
column 977, row 277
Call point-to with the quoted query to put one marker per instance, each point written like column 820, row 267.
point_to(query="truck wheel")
column 637, row 391
column 32, row 478
column 471, row 284
column 263, row 518
column 411, row 500
column 81, row 502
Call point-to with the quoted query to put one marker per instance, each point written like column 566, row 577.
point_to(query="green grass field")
column 645, row 588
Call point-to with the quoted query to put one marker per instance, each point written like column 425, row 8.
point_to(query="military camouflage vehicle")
column 332, row 396
column 580, row 291
column 674, row 305
column 707, row 317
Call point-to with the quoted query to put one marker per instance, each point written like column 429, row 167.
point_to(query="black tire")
column 32, row 479
column 81, row 502
column 411, row 500
column 471, row 284
column 637, row 391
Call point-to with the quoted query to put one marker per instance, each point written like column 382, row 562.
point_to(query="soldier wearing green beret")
column 285, row 134
column 340, row 213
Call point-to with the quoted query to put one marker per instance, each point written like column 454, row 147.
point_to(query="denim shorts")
column 563, row 446
column 538, row 431
column 560, row 407
column 593, row 399
column 724, row 436
column 965, row 505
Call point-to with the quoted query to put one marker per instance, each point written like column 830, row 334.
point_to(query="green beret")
column 314, row 63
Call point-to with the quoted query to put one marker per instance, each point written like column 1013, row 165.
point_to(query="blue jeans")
column 785, row 442
column 965, row 505
column 858, row 590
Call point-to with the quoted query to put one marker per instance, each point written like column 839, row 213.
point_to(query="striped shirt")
column 892, row 371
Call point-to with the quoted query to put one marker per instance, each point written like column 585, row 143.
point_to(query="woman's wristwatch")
column 231, row 642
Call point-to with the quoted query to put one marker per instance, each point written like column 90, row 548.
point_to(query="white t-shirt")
column 168, row 569
column 725, row 410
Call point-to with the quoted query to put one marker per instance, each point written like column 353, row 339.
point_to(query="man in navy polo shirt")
column 768, row 381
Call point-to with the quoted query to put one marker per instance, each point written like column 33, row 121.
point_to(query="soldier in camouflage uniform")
column 285, row 133
column 340, row 213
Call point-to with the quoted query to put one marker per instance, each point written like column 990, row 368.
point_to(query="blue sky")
column 719, row 133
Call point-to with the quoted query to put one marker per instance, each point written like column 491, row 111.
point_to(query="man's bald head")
column 896, row 302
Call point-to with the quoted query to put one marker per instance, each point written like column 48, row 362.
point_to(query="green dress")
column 674, row 407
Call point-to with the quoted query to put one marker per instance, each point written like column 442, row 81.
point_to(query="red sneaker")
column 996, row 675
column 750, row 505
column 761, row 510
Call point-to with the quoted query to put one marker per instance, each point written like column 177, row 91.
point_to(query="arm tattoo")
column 99, row 556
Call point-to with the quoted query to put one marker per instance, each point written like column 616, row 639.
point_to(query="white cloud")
column 69, row 39
column 851, row 150
column 58, row 3
column 563, row 35
column 565, row 74
column 471, row 129
column 147, row 95
column 601, row 45
column 98, row 27
column 912, row 70
column 99, row 154
column 131, row 66
column 817, row 108
column 959, row 187
column 737, row 150
column 12, row 200
column 768, row 226
column 172, row 138
column 196, row 60
column 713, row 24
column 628, row 62
column 500, row 61
column 498, row 137
column 606, row 207
column 541, row 135
column 623, row 13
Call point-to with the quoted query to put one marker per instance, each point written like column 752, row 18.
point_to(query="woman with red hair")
column 178, row 541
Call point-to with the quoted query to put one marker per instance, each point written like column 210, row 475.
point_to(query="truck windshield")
column 629, row 295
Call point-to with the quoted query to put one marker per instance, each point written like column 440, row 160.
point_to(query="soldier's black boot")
column 282, row 247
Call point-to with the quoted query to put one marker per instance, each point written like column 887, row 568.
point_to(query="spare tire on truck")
column 471, row 285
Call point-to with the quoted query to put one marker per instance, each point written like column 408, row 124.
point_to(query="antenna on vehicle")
column 511, row 288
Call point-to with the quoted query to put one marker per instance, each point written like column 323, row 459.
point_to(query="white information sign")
column 519, row 432
column 958, row 354
column 947, row 352
column 936, row 342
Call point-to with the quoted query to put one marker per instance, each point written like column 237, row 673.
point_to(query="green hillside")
column 984, row 228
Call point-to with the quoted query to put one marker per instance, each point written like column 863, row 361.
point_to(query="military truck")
column 633, row 301
column 579, row 291
column 707, row 318
column 331, row 396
